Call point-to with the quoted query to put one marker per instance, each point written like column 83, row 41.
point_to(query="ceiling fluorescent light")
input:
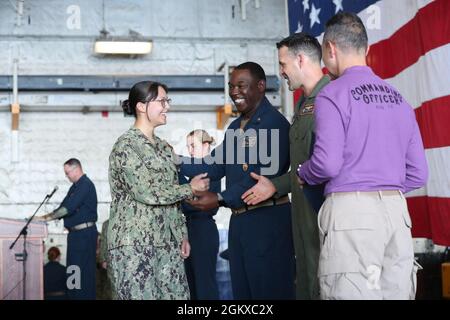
column 122, row 47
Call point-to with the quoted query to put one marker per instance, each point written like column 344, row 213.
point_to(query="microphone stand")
column 24, row 253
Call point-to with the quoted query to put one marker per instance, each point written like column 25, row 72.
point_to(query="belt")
column 267, row 203
column 81, row 226
column 375, row 194
column 55, row 294
column 205, row 216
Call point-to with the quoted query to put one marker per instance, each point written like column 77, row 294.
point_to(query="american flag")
column 410, row 48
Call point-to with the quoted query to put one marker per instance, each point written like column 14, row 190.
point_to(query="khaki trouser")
column 366, row 247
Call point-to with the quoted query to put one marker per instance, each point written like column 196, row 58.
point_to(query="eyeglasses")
column 163, row 101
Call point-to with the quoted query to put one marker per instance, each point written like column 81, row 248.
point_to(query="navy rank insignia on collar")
column 307, row 109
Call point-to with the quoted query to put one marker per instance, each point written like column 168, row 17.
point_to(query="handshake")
column 203, row 200
column 199, row 183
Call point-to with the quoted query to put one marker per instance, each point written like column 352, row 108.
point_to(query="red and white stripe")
column 412, row 52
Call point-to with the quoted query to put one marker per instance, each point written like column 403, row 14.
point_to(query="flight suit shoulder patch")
column 307, row 109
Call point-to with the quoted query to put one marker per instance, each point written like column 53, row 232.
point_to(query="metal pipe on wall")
column 19, row 10
column 15, row 81
column 287, row 99
column 226, row 79
column 15, row 132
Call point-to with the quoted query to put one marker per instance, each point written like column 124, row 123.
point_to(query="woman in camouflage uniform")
column 147, row 229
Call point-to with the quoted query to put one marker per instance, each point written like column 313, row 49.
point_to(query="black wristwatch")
column 220, row 200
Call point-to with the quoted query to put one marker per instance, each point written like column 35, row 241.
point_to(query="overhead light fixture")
column 126, row 47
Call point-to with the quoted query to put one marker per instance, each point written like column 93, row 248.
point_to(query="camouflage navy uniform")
column 146, row 225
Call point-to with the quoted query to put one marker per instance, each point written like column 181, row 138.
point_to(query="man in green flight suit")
column 299, row 57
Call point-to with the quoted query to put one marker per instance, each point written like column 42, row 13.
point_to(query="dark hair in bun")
column 126, row 107
column 144, row 92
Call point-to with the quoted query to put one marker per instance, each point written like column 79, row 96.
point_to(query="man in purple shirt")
column 369, row 151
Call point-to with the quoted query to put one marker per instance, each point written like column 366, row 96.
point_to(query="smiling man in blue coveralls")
column 79, row 211
column 260, row 238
